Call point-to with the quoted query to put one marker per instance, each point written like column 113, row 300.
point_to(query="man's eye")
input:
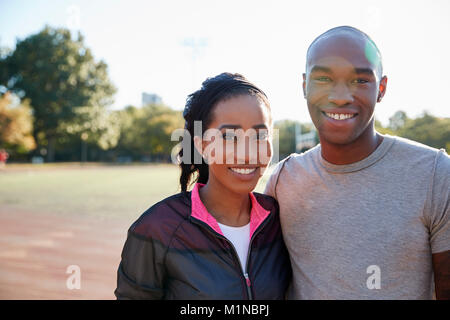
column 360, row 80
column 322, row 79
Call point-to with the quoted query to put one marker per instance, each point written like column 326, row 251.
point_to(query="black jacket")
column 170, row 254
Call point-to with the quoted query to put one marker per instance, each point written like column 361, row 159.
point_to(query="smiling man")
column 364, row 215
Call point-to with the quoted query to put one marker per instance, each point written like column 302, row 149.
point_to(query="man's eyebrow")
column 357, row 70
column 320, row 69
column 367, row 71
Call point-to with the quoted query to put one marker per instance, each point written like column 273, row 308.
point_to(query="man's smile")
column 340, row 116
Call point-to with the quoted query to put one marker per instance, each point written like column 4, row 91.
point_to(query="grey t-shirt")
column 366, row 230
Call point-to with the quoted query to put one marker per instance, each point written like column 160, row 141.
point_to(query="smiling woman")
column 220, row 240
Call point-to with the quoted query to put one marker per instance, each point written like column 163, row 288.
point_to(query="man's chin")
column 336, row 139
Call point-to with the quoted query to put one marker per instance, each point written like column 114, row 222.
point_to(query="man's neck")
column 355, row 151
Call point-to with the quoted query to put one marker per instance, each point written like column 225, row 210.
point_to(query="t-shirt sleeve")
column 141, row 272
column 273, row 179
column 440, row 205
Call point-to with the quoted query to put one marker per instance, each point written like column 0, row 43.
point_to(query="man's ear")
column 304, row 85
column 382, row 88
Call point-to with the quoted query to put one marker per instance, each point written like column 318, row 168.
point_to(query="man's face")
column 341, row 87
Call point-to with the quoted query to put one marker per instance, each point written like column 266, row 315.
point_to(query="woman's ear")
column 198, row 144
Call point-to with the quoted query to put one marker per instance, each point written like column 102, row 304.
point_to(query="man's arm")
column 440, row 226
column 441, row 268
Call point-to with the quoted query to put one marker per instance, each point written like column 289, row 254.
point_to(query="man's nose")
column 341, row 95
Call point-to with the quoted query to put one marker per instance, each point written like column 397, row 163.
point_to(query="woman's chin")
column 241, row 183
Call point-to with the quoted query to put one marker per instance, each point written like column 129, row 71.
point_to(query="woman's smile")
column 245, row 173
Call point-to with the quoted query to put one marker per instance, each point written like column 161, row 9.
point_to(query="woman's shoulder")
column 266, row 201
column 163, row 217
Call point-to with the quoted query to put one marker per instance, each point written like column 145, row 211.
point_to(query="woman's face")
column 237, row 144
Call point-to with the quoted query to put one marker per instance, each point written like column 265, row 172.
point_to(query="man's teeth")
column 243, row 170
column 339, row 116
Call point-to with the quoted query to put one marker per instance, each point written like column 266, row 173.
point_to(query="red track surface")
column 36, row 249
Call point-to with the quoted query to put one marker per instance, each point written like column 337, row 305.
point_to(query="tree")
column 427, row 129
column 398, row 120
column 94, row 125
column 147, row 131
column 59, row 75
column 16, row 126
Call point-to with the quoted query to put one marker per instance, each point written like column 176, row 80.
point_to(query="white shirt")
column 240, row 238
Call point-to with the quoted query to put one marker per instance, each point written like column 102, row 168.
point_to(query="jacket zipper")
column 245, row 274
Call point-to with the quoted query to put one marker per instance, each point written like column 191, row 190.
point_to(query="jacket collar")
column 198, row 210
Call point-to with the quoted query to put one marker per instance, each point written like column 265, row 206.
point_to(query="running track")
column 36, row 249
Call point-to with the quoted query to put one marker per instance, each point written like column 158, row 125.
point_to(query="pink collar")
column 199, row 211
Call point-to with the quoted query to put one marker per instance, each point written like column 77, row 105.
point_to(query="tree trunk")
column 83, row 150
column 51, row 149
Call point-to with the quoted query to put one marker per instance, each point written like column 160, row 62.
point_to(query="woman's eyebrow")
column 234, row 126
column 229, row 126
column 260, row 126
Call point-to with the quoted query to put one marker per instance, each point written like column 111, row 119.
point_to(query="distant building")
column 150, row 98
column 304, row 141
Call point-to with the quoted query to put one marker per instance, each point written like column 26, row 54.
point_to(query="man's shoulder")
column 417, row 157
column 412, row 146
column 293, row 165
column 416, row 152
column 303, row 158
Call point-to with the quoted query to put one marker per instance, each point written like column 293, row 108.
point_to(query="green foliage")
column 427, row 129
column 147, row 130
column 59, row 75
column 95, row 125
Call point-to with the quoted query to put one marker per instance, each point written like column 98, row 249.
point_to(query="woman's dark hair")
column 199, row 107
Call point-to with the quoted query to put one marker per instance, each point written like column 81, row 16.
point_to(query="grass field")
column 104, row 191
column 53, row 216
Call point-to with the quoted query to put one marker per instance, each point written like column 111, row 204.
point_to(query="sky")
column 170, row 47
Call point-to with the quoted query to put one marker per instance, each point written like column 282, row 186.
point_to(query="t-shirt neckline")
column 375, row 156
column 234, row 228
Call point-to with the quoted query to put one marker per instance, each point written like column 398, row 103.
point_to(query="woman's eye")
column 262, row 136
column 229, row 137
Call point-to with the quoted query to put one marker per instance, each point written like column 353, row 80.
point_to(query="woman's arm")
column 141, row 272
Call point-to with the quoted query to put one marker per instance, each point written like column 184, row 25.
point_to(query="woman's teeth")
column 339, row 116
column 243, row 170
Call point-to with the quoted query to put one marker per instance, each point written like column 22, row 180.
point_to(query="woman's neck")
column 228, row 207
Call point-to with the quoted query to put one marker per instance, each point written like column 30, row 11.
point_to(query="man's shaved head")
column 371, row 51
